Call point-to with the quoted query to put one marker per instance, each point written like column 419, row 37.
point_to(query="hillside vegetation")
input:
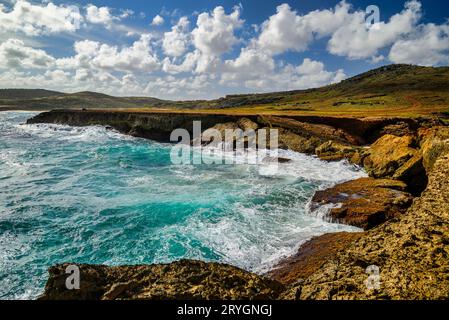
column 391, row 90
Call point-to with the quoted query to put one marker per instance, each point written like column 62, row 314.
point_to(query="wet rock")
column 411, row 252
column 364, row 203
column 276, row 159
column 311, row 256
column 184, row 279
column 334, row 151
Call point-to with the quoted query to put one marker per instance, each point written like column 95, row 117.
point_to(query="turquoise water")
column 91, row 195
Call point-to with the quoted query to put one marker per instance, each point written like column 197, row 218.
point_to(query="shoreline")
column 345, row 145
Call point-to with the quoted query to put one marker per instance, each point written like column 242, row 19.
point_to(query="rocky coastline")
column 403, row 208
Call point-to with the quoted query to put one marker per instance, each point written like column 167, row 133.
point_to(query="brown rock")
column 388, row 154
column 434, row 143
column 364, row 202
column 246, row 124
column 179, row 280
column 324, row 132
column 411, row 252
column 334, row 151
column 311, row 256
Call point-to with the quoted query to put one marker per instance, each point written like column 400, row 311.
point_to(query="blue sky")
column 206, row 49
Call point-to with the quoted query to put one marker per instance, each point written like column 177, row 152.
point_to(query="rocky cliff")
column 403, row 206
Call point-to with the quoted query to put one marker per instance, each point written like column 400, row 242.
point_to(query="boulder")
column 246, row 124
column 184, row 280
column 365, row 202
column 434, row 143
column 388, row 154
column 334, row 151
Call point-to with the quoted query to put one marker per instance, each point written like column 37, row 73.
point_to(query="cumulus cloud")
column 355, row 41
column 267, row 76
column 428, row 46
column 99, row 15
column 286, row 30
column 180, row 63
column 214, row 34
column 15, row 54
column 139, row 57
column 175, row 42
column 34, row 19
column 157, row 21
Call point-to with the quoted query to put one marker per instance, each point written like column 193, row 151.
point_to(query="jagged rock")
column 246, row 124
column 413, row 174
column 411, row 252
column 298, row 143
column 388, row 154
column 184, row 279
column 208, row 135
column 399, row 129
column 365, row 202
column 276, row 159
column 311, row 256
column 334, row 151
column 434, row 142
column 324, row 132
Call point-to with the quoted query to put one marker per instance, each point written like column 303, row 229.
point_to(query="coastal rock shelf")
column 403, row 206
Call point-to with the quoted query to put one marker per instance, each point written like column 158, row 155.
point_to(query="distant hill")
column 393, row 88
column 26, row 93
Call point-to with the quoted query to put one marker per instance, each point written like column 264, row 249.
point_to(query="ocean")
column 92, row 195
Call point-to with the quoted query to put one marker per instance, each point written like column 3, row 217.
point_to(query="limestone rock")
column 311, row 256
column 246, row 124
column 184, row 279
column 434, row 142
column 388, row 154
column 334, row 151
column 365, row 202
column 411, row 252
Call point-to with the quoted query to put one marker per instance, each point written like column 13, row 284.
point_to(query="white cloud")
column 139, row 57
column 428, row 46
column 157, row 21
column 100, row 15
column 15, row 54
column 286, row 30
column 267, row 76
column 175, row 42
column 33, row 19
column 355, row 41
column 214, row 34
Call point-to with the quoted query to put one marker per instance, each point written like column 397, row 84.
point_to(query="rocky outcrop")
column 434, row 143
column 364, row 203
column 397, row 157
column 186, row 280
column 311, row 256
column 411, row 252
column 334, row 151
column 388, row 154
column 324, row 132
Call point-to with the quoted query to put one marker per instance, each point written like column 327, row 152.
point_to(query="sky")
column 202, row 49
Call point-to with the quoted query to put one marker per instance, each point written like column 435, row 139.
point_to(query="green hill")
column 395, row 89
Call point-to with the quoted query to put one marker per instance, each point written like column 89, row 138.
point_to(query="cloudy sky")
column 205, row 49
